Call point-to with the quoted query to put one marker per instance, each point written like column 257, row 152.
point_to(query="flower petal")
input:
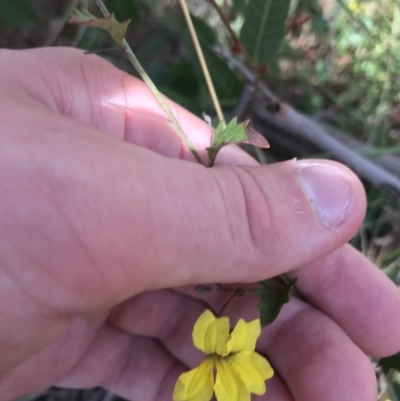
column 253, row 369
column 211, row 334
column 244, row 336
column 228, row 384
column 197, row 384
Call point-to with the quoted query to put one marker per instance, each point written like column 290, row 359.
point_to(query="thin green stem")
column 147, row 80
column 128, row 53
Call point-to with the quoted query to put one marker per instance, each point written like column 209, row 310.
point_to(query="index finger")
column 88, row 89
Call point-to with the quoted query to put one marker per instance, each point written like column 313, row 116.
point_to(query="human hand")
column 102, row 212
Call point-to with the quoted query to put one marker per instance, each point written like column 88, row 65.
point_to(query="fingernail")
column 329, row 190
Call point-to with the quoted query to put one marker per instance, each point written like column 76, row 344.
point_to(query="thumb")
column 95, row 220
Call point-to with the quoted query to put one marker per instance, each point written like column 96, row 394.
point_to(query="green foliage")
column 273, row 296
column 116, row 29
column 234, row 133
column 238, row 7
column 394, row 381
column 391, row 362
column 320, row 24
column 263, row 28
column 20, row 14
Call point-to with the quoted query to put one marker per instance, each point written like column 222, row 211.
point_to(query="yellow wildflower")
column 240, row 370
column 354, row 6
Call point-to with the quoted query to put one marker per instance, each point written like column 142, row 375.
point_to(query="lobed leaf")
column 273, row 297
column 234, row 133
column 116, row 29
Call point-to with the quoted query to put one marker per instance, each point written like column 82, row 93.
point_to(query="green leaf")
column 238, row 6
column 391, row 362
column 234, row 133
column 20, row 14
column 273, row 297
column 205, row 34
column 320, row 25
column 263, row 28
column 116, row 29
column 182, row 79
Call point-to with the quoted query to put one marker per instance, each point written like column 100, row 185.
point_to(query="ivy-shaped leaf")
column 234, row 133
column 273, row 296
column 116, row 29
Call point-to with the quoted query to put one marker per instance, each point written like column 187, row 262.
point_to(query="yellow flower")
column 240, row 370
column 354, row 6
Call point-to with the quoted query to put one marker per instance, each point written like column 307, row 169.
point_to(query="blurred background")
column 318, row 78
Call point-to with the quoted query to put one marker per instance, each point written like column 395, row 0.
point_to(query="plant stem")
column 238, row 292
column 135, row 62
column 232, row 34
column 103, row 8
column 128, row 53
column 203, row 63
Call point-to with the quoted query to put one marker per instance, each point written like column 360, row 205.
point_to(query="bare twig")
column 236, row 41
column 203, row 63
column 103, row 8
column 294, row 124
column 249, row 75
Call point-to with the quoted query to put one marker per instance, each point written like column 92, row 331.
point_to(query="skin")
column 106, row 223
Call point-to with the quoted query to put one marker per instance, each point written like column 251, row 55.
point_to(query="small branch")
column 232, row 33
column 135, row 62
column 238, row 292
column 203, row 63
column 102, row 7
column 291, row 123
column 85, row 5
column 128, row 53
column 248, row 74
column 300, row 9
